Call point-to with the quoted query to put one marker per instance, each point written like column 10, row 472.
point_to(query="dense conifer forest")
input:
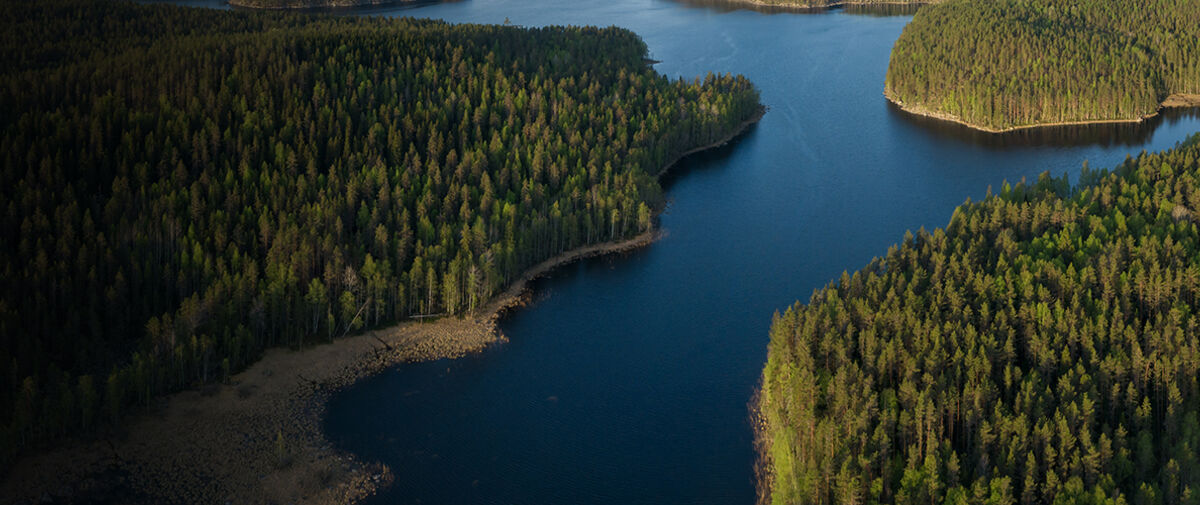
column 311, row 4
column 1006, row 63
column 183, row 188
column 1043, row 348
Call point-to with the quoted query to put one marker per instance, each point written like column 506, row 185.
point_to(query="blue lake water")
column 628, row 379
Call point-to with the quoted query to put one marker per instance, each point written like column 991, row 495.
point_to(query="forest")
column 313, row 4
column 184, row 188
column 1000, row 64
column 1043, row 348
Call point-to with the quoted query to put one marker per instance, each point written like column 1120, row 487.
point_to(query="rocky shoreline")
column 256, row 439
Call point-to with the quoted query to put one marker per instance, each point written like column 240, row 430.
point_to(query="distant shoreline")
column 342, row 4
column 258, row 438
column 318, row 4
column 1174, row 100
column 845, row 3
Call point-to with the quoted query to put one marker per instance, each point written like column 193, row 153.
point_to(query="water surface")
column 628, row 380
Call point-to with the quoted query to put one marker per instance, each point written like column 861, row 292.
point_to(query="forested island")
column 185, row 188
column 1043, row 348
column 998, row 65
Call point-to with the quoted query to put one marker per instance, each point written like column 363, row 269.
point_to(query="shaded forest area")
column 1043, row 348
column 183, row 188
column 1006, row 63
column 314, row 4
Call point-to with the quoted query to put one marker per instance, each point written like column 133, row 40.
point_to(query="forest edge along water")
column 258, row 438
column 1172, row 101
column 584, row 81
column 358, row 476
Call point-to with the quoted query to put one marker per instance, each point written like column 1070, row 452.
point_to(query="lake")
column 627, row 379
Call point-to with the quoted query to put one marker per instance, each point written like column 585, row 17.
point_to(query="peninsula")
column 1042, row 348
column 269, row 181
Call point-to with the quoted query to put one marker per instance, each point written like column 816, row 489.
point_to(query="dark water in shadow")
column 627, row 381
column 1130, row 135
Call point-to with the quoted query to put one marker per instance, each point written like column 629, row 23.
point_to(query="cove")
column 627, row 379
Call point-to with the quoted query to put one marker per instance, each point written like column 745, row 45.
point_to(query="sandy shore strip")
column 1181, row 100
column 258, row 438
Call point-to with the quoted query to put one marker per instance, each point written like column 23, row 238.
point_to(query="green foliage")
column 183, row 188
column 1043, row 348
column 1006, row 63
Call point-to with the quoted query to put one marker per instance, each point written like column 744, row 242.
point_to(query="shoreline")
column 833, row 5
column 220, row 443
column 242, row 4
column 258, row 438
column 1174, row 100
column 737, row 132
column 763, row 465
